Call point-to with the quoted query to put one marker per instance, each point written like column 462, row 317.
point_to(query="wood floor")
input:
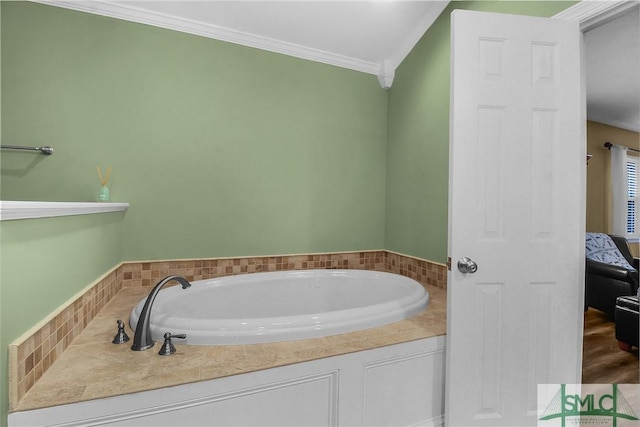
column 602, row 361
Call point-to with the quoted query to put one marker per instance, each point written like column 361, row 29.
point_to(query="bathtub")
column 282, row 306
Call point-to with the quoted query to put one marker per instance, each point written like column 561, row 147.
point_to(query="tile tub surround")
column 36, row 351
column 93, row 368
column 33, row 354
column 149, row 273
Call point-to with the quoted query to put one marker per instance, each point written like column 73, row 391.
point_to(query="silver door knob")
column 467, row 265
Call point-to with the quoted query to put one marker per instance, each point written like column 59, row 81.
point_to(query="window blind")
column 632, row 203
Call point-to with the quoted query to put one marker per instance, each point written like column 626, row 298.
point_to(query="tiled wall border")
column 32, row 354
column 149, row 273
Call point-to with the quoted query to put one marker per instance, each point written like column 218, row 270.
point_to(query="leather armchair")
column 604, row 283
column 627, row 323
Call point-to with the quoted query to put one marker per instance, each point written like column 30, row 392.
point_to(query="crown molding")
column 387, row 70
column 593, row 13
column 386, row 74
column 156, row 19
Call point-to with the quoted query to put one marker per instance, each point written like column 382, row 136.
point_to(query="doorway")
column 612, row 52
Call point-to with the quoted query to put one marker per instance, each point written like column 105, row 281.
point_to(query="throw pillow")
column 600, row 247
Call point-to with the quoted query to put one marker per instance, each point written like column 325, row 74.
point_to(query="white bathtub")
column 282, row 306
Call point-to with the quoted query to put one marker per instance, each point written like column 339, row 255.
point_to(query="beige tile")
column 72, row 359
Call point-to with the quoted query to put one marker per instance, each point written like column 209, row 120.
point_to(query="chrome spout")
column 142, row 339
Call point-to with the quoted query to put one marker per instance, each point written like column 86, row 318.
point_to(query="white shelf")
column 24, row 209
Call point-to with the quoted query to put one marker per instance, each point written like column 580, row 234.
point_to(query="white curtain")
column 620, row 190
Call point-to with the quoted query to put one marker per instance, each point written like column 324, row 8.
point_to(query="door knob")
column 467, row 265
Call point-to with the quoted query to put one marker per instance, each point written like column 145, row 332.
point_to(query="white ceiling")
column 369, row 31
column 374, row 36
column 613, row 71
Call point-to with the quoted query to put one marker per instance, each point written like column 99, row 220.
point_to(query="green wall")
column 418, row 135
column 220, row 149
column 45, row 262
column 35, row 281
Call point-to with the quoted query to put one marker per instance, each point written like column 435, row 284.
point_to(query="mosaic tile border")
column 149, row 273
column 32, row 354
column 425, row 272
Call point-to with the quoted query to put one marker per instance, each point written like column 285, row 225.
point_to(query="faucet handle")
column 168, row 348
column 121, row 336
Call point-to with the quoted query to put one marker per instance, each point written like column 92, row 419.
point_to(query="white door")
column 516, row 208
